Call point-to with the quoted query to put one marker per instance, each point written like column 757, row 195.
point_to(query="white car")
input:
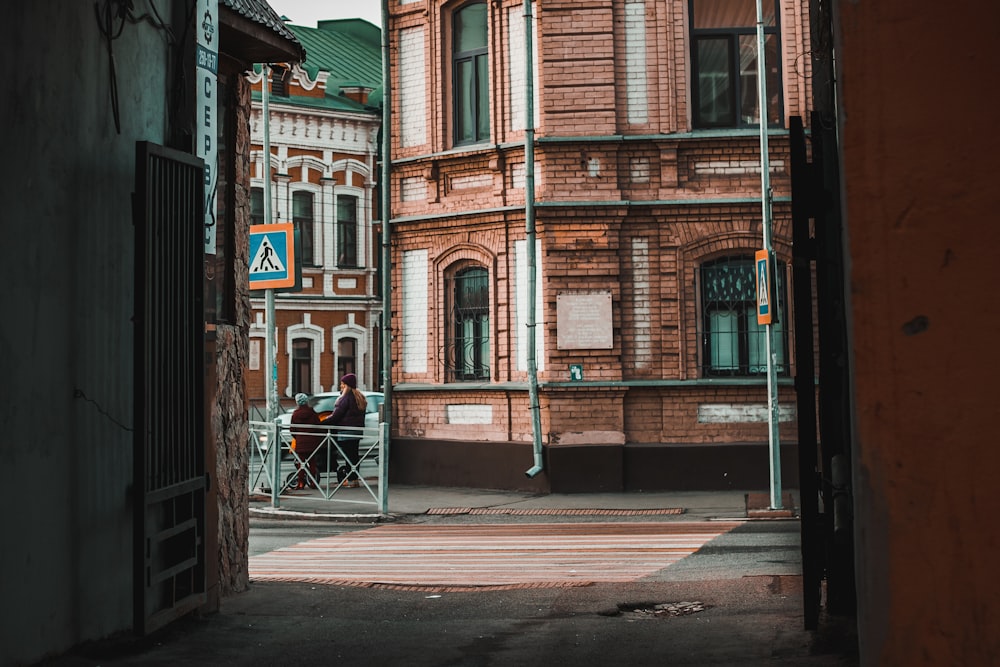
column 323, row 405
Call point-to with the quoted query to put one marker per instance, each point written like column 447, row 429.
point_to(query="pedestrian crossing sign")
column 272, row 256
column 763, row 286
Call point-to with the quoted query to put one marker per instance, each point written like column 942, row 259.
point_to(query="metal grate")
column 467, row 347
column 733, row 343
column 169, row 474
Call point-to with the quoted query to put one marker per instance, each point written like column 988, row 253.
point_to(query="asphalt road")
column 743, row 591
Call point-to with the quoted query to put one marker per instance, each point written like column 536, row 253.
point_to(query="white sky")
column 308, row 12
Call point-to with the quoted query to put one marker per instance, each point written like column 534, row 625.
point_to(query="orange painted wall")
column 919, row 159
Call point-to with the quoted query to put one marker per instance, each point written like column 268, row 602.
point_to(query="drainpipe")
column 384, row 211
column 529, row 221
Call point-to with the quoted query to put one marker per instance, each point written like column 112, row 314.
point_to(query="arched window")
column 467, row 343
column 470, row 74
column 304, row 345
column 347, row 356
column 732, row 341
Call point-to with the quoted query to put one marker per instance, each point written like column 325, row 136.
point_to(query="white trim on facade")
column 310, row 332
column 363, row 337
column 415, row 309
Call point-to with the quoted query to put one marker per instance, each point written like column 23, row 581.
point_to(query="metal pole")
column 529, row 221
column 384, row 213
column 271, row 342
column 774, row 448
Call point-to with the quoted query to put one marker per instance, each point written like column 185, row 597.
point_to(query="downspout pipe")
column 384, row 214
column 529, row 221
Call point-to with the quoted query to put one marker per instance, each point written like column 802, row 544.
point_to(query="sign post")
column 764, row 277
column 763, row 263
column 271, row 345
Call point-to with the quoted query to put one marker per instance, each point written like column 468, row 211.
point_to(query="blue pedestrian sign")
column 272, row 256
column 763, row 287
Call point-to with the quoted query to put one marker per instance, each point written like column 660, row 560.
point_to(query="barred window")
column 467, row 347
column 732, row 342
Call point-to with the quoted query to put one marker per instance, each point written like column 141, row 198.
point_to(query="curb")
column 286, row 515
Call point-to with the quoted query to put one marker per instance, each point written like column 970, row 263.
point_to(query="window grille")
column 467, row 346
column 733, row 343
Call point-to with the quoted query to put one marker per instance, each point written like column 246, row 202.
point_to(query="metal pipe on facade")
column 529, row 221
column 384, row 213
column 773, row 412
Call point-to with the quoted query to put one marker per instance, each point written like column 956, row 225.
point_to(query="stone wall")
column 229, row 414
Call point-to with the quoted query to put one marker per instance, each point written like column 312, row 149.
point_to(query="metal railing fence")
column 275, row 465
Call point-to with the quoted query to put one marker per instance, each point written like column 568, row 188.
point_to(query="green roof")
column 348, row 49
column 331, row 101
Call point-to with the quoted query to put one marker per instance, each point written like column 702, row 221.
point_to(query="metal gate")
column 824, row 464
column 169, row 474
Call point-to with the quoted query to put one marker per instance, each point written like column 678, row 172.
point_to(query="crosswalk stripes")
column 477, row 556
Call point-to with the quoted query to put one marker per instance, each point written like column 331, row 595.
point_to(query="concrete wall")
column 66, row 271
column 919, row 162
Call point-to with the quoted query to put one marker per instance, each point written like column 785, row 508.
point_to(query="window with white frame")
column 347, row 231
column 733, row 343
column 302, row 218
column 256, row 206
column 301, row 366
column 304, row 345
column 347, row 355
column 349, row 344
column 724, row 63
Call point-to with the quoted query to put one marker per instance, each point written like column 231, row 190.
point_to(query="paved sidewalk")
column 419, row 500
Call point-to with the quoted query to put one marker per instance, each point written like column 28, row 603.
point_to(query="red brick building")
column 324, row 126
column 651, row 366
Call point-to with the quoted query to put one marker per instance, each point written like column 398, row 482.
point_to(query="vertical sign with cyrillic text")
column 206, row 106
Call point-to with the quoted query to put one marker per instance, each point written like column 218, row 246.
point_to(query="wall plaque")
column 583, row 321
